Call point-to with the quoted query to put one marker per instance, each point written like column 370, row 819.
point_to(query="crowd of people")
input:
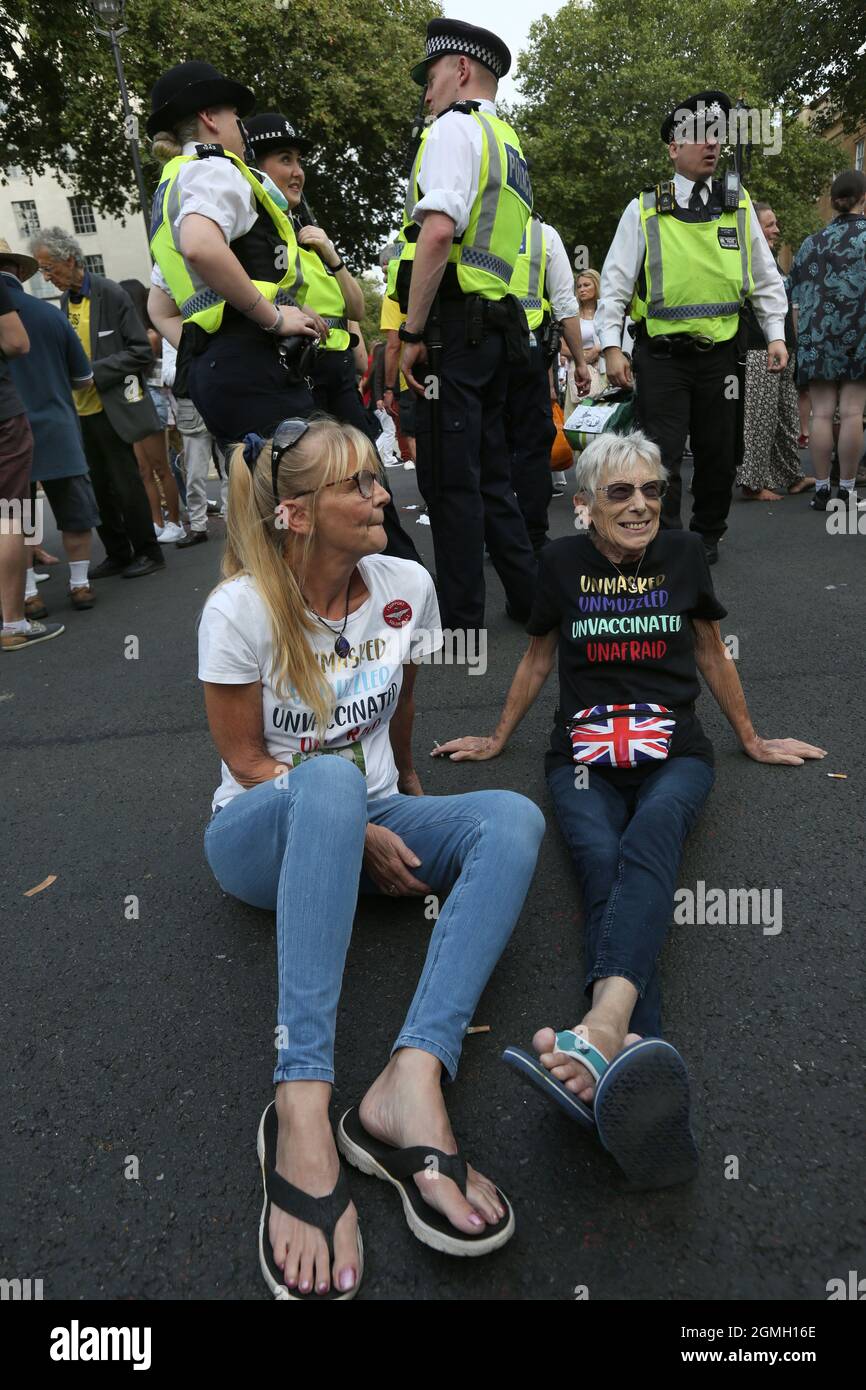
column 247, row 343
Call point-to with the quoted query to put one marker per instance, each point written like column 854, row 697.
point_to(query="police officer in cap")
column 226, row 261
column 467, row 202
column 275, row 150
column 686, row 256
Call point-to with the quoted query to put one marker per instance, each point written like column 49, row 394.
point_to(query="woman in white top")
column 308, row 648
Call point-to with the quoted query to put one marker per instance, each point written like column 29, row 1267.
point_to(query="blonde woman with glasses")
column 309, row 647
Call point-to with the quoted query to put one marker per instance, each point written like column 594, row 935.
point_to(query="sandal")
column 574, row 1045
column 642, row 1115
column 398, row 1166
column 321, row 1212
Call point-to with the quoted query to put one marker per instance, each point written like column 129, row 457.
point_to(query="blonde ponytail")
column 168, row 144
column 259, row 546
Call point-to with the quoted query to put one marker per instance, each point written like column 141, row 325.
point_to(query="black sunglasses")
column 621, row 492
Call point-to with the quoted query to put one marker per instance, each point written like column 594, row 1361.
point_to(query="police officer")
column 226, row 261
column 685, row 257
column 543, row 284
column 467, row 203
column 275, row 149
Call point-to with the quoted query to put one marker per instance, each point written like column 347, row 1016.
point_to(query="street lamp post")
column 111, row 12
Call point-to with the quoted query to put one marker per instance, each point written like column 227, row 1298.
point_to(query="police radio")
column 731, row 191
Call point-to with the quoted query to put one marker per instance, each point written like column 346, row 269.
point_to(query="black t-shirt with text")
column 625, row 638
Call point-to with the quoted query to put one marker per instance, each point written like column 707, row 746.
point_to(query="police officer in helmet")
column 226, row 268
column 467, row 203
column 686, row 255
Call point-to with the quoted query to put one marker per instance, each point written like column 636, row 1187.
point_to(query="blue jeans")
column 298, row 848
column 627, row 843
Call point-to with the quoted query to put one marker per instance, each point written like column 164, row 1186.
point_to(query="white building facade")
column 111, row 247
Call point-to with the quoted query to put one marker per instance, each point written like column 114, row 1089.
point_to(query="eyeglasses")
column 621, row 492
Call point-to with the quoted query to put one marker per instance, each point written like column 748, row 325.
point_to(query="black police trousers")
column 531, row 432
column 335, row 391
column 475, row 500
column 694, row 395
column 238, row 385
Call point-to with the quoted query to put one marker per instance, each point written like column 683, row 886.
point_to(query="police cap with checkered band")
column 711, row 105
column 273, row 131
column 455, row 36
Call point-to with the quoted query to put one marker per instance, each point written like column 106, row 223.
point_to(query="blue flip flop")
column 642, row 1115
column 528, row 1066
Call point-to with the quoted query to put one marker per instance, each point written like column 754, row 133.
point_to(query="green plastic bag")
column 595, row 416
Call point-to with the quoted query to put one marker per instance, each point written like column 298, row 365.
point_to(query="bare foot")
column 760, row 494
column 307, row 1157
column 405, row 1107
column 42, row 557
column 599, row 1029
column 802, row 486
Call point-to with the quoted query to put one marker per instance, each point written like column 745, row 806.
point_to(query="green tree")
column 372, row 310
column 338, row 68
column 817, row 50
column 597, row 80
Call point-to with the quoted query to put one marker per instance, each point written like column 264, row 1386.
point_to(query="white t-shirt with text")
column 398, row 620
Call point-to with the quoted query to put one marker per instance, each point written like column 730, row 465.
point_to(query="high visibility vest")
column 697, row 274
column 528, row 281
column 197, row 302
column 324, row 297
column 485, row 255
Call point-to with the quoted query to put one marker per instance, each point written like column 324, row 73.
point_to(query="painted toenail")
column 347, row 1279
column 323, row 1288
column 476, row 1219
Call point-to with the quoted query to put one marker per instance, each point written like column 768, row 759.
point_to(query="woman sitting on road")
column 304, row 650
column 631, row 612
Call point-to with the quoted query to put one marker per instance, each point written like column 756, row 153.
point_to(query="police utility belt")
column 482, row 316
column 677, row 344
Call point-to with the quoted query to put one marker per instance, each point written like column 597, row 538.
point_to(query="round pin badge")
column 397, row 613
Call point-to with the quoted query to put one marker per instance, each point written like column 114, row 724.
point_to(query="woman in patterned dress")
column 828, row 286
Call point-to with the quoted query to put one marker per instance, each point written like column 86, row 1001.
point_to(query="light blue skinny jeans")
column 297, row 848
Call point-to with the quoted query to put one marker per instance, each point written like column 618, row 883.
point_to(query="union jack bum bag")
column 621, row 735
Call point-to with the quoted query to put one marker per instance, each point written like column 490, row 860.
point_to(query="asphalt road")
column 153, row 1037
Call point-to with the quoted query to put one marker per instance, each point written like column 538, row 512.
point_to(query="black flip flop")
column 642, row 1112
column 321, row 1212
column 398, row 1167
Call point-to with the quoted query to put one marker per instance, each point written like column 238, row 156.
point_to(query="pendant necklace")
column 341, row 646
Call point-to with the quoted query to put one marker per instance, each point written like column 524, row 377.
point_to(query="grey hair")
column 58, row 243
column 615, row 452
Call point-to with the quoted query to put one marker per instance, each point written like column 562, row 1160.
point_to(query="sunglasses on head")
column 621, row 492
column 286, row 436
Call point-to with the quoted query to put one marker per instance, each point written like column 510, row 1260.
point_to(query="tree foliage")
column 598, row 78
column 817, row 51
column 338, row 68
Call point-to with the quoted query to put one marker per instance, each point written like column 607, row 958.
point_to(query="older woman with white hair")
column 630, row 612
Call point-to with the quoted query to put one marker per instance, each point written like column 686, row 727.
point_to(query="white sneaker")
column 170, row 533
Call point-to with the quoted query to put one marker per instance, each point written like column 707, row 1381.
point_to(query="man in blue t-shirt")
column 55, row 366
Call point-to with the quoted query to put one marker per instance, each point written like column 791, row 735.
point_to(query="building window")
column 26, row 218
column 41, row 288
column 95, row 264
column 83, row 220
column 858, row 155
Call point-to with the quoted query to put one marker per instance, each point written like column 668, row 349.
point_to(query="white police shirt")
column 214, row 188
column 626, row 256
column 558, row 277
column 450, row 169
